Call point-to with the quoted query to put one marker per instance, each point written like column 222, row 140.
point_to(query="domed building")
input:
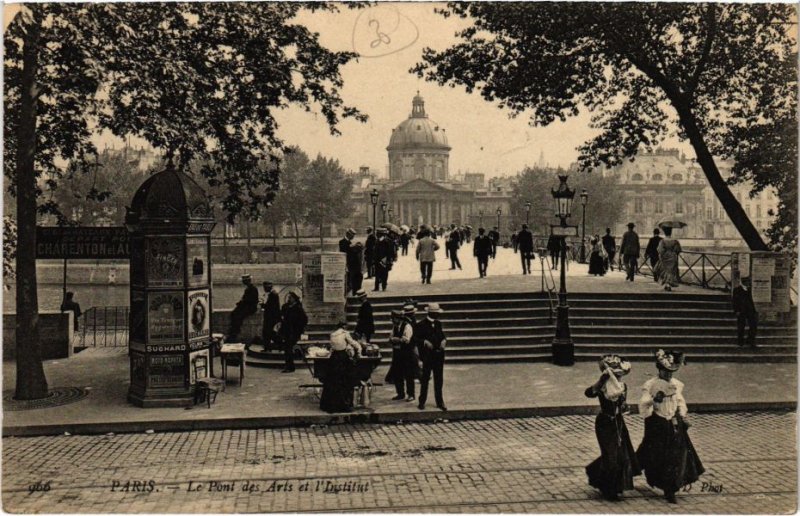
column 419, row 188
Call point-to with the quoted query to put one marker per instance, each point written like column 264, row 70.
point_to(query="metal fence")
column 103, row 326
column 707, row 270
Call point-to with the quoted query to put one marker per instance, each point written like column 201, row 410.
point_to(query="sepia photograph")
column 381, row 257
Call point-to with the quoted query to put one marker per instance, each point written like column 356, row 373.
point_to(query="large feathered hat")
column 669, row 360
column 617, row 364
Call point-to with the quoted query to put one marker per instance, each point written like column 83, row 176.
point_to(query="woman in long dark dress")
column 597, row 265
column 666, row 454
column 612, row 472
column 339, row 380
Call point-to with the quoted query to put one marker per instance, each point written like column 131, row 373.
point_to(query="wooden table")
column 235, row 354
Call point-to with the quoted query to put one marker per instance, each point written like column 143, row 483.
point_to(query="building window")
column 636, row 177
column 659, row 206
column 747, row 210
column 656, row 177
column 678, row 206
column 677, row 178
column 758, row 211
column 638, row 206
column 709, row 213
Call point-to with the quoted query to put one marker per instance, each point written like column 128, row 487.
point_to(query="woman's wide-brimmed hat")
column 409, row 308
column 669, row 360
column 361, row 293
column 617, row 364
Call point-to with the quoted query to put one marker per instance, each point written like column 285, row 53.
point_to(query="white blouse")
column 672, row 403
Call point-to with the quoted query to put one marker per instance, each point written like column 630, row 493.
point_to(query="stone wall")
column 55, row 333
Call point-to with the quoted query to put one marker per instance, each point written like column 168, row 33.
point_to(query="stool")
column 232, row 355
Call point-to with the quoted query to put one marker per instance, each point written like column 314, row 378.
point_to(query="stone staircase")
column 496, row 327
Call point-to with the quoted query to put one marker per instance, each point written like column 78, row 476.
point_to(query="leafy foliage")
column 328, row 191
column 716, row 74
column 604, row 209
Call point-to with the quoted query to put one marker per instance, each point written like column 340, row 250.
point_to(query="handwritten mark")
column 382, row 36
column 382, row 30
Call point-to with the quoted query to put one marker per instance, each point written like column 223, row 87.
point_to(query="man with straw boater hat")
column 246, row 307
column 432, row 342
column 365, row 324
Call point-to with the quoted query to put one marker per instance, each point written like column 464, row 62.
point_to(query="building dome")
column 169, row 197
column 418, row 131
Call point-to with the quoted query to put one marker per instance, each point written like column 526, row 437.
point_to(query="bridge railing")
column 103, row 326
column 707, row 270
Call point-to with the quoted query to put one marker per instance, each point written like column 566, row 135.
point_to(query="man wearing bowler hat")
column 432, row 342
column 630, row 251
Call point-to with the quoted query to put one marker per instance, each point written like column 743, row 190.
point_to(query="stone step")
column 704, row 357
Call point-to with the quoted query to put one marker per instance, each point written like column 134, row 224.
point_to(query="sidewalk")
column 268, row 398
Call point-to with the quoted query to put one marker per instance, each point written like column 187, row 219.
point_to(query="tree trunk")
column 297, row 240
column 274, row 242
column 732, row 207
column 321, row 241
column 31, row 382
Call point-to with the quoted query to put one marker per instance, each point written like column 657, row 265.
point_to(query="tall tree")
column 328, row 191
column 291, row 199
column 199, row 81
column 713, row 69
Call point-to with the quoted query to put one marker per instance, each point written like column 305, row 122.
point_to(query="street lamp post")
column 528, row 213
column 384, row 205
column 499, row 211
column 584, row 201
column 563, row 348
column 390, row 211
column 373, row 197
column 480, row 214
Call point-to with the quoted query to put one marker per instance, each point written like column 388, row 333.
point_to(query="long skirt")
column 667, row 455
column 596, row 264
column 613, row 472
column 668, row 270
column 337, row 386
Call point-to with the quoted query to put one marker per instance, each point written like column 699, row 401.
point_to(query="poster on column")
column 781, row 281
column 333, row 264
column 762, row 267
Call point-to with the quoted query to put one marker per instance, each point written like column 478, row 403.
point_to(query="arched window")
column 656, row 177
column 439, row 171
column 636, row 177
column 397, row 169
column 419, row 168
column 677, row 178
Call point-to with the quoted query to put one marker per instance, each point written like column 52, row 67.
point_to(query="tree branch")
column 711, row 24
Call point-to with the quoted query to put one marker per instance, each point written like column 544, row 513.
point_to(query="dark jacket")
column 742, row 301
column 355, row 256
column 366, row 321
column 609, row 244
column 249, row 302
column 553, row 244
column 293, row 322
column 525, row 241
column 385, row 251
column 454, row 242
column 432, row 332
column 652, row 248
column 630, row 244
column 482, row 246
column 272, row 309
column 369, row 246
column 494, row 236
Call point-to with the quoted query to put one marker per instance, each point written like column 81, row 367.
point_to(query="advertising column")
column 324, row 287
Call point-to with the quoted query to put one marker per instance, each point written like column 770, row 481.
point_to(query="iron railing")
column 707, row 270
column 103, row 326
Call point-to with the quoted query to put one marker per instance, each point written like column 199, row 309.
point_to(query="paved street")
column 514, row 465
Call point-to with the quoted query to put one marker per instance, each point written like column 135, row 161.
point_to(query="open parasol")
column 672, row 223
column 404, row 227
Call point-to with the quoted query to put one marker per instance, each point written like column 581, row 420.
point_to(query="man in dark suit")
column 630, row 251
column 384, row 258
column 554, row 246
column 610, row 245
column 742, row 300
column 369, row 253
column 525, row 245
column 365, row 325
column 246, row 307
column 272, row 315
column 651, row 252
column 494, row 236
column 453, row 243
column 432, row 341
column 482, row 249
column 353, row 256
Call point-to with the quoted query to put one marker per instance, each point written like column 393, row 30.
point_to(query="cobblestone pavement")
column 512, row 465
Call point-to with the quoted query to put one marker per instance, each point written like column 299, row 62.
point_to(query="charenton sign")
column 82, row 242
